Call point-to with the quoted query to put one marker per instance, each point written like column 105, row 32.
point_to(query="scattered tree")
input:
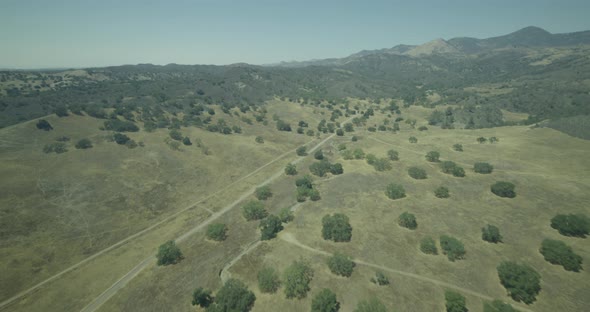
column 254, row 210
column 454, row 302
column 286, row 215
column 358, row 153
column 393, row 155
column 202, row 297
column 483, row 168
column 417, row 173
column 433, row 156
column 187, row 141
column 521, row 281
column 452, row 247
column 382, row 164
column 325, row 301
column 336, row 227
column 301, row 151
column 233, row 296
column 268, row 280
column 168, row 253
column 442, row 192
column 372, row 305
column 296, row 279
column 503, row 189
column 263, row 192
column 428, row 246
column 341, row 264
column 458, row 147
column 557, row 252
column 339, row 132
column 120, row 138
column 491, row 234
column 319, row 155
column 259, row 139
column 354, row 138
column 395, row 191
column 481, row 140
column 413, row 139
column 408, row 220
column 336, row 169
column 269, row 227
column 217, row 232
column 577, row 225
column 291, row 169
column 84, row 144
column 43, row 124
column 175, row 135
column 348, row 127
column 422, row 128
column 61, row 111
column 493, row 139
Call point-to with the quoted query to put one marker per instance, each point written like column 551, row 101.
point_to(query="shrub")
column 491, row 234
column 483, row 168
column 371, row 129
column 283, row 126
column 422, row 128
column 187, row 141
column 452, row 247
column 521, row 281
column 458, row 147
column 290, row 169
column 268, row 280
column 417, row 173
column 319, row 155
column 301, row 151
column 305, row 182
column 325, row 301
column 341, row 264
column 458, row 172
column 481, row 140
column 233, row 296
column 428, row 246
column 269, row 227
column 43, row 124
column 382, row 164
column 395, row 191
column 413, row 139
column 442, row 192
column 348, row 127
column 503, row 189
column 120, row 125
column 373, row 305
column 286, row 215
column 557, row 252
column 84, row 144
column 354, row 138
column 493, row 139
column 336, row 169
column 454, row 302
column 339, row 132
column 309, row 132
column 371, row 159
column 336, row 227
column 175, row 135
column 120, row 138
column 433, row 156
column 577, row 225
column 263, row 192
column 358, row 153
column 320, row 168
column 393, row 155
column 296, row 279
column 259, row 139
column 217, row 231
column 408, row 220
column 168, row 253
column 202, row 297
column 254, row 210
column 497, row 306
column 314, row 195
column 380, row 279
column 447, row 166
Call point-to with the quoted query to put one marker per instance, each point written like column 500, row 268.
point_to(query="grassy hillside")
column 530, row 158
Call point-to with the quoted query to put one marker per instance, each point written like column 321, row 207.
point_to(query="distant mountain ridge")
column 528, row 37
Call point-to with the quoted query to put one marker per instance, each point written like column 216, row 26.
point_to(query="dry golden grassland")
column 549, row 168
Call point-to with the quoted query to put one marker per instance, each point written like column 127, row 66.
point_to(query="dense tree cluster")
column 336, row 227
column 521, row 281
column 557, row 252
column 577, row 225
column 321, row 168
column 305, row 189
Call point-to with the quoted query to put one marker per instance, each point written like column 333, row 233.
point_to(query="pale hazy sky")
column 84, row 33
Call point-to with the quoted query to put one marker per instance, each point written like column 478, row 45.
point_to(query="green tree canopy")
column 452, row 247
column 336, row 227
column 202, row 297
column 269, row 227
column 325, row 301
column 491, row 233
column 577, row 225
column 341, row 264
column 521, row 281
column 296, row 279
column 263, row 192
column 417, row 173
column 217, row 231
column 557, row 252
column 233, row 296
column 168, row 253
column 428, row 246
column 408, row 220
column 371, row 305
column 268, row 280
column 483, row 168
column 503, row 189
column 291, row 169
column 454, row 302
column 433, row 156
column 254, row 210
column 395, row 191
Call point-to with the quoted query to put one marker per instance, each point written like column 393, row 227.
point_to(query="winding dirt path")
column 291, row 239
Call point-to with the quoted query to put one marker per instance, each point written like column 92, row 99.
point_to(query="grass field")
column 111, row 187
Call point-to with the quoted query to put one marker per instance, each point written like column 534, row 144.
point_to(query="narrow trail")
column 23, row 293
column 290, row 238
column 113, row 289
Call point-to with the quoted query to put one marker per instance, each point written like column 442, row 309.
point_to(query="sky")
column 85, row 33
